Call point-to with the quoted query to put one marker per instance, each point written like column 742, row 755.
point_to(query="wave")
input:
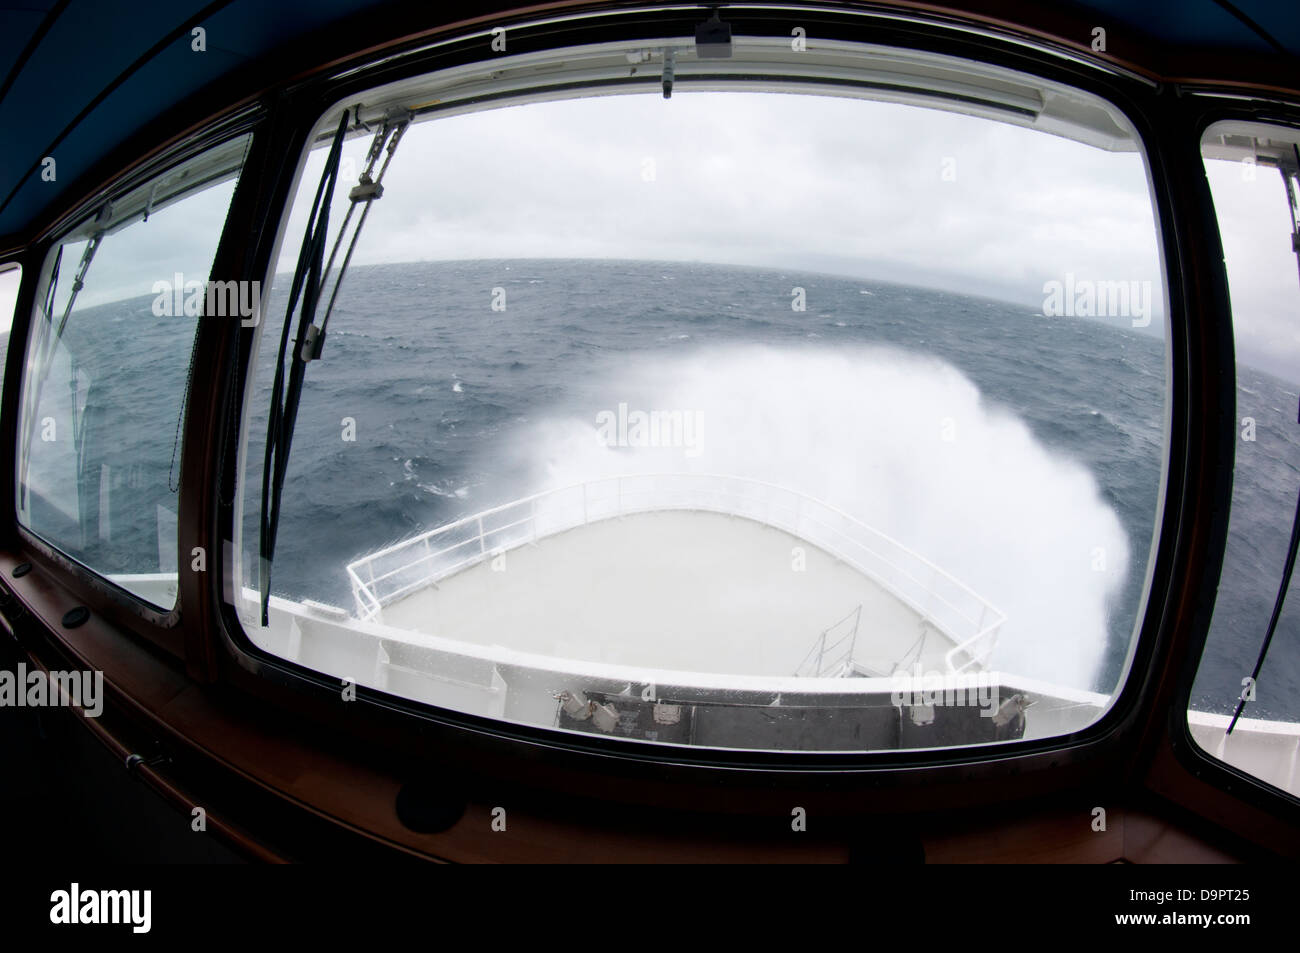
column 904, row 443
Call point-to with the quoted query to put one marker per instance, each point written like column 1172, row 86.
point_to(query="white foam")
column 865, row 430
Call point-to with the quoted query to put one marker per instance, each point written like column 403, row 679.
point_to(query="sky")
column 1263, row 272
column 795, row 182
column 786, row 181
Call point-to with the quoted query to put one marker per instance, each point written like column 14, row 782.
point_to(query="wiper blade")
column 1290, row 174
column 284, row 406
column 47, row 340
column 309, row 281
column 1272, row 622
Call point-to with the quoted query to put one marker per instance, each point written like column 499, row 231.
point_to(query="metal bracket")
column 713, row 38
column 312, row 344
column 133, row 761
column 366, row 190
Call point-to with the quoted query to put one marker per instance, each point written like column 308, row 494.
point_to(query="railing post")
column 369, row 589
column 853, row 642
column 482, row 543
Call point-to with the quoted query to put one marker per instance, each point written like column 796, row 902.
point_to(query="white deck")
column 683, row 590
column 701, row 573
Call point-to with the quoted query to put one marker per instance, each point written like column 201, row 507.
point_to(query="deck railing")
column 832, row 654
column 390, row 574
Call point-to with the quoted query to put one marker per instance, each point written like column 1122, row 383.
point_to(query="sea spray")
column 904, row 443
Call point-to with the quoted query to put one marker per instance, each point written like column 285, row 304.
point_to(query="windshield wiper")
column 1291, row 180
column 48, row 337
column 309, row 282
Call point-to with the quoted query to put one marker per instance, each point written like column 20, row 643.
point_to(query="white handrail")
column 954, row 608
column 842, row 664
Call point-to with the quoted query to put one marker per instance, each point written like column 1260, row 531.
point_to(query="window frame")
column 1224, row 782
column 96, row 591
column 321, row 129
column 355, row 82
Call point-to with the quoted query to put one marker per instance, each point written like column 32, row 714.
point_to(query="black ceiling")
column 80, row 78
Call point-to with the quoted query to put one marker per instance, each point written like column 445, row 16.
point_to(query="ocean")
column 1022, row 453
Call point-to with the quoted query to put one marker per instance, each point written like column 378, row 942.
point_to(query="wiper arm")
column 308, row 281
column 1272, row 622
column 364, row 192
column 284, row 407
column 1290, row 175
column 47, row 340
column 1291, row 180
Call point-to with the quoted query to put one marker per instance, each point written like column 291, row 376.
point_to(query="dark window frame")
column 252, row 657
column 1211, row 110
column 162, row 628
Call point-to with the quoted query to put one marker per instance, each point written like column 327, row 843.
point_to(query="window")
column 106, row 374
column 731, row 419
column 1253, row 173
column 10, row 277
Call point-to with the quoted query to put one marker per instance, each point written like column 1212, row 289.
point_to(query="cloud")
column 772, row 180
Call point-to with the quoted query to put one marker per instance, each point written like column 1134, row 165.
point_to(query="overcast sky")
column 1263, row 273
column 788, row 181
column 792, row 182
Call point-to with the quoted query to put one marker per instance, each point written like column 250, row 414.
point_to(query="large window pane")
column 107, row 372
column 1248, row 166
column 735, row 419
